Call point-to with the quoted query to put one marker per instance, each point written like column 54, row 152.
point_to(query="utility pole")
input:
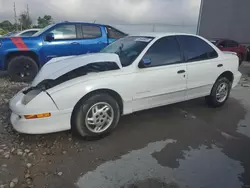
column 28, row 14
column 15, row 17
column 199, row 19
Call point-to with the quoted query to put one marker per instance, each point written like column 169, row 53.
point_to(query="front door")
column 202, row 64
column 164, row 80
column 65, row 42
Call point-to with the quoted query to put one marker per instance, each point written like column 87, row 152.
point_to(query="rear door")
column 93, row 38
column 65, row 42
column 203, row 65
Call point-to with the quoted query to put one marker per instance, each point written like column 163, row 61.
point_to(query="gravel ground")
column 63, row 160
column 25, row 157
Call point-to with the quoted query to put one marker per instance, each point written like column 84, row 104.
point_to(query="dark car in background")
column 232, row 46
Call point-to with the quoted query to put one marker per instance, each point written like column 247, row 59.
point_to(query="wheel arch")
column 227, row 74
column 110, row 92
column 30, row 54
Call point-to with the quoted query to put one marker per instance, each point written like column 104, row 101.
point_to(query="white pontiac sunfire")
column 89, row 93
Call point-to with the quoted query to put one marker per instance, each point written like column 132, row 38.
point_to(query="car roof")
column 160, row 34
column 82, row 23
column 222, row 39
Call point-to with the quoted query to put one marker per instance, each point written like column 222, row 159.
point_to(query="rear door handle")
column 181, row 71
column 75, row 43
column 220, row 65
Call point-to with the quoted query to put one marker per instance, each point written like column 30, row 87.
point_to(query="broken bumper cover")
column 58, row 121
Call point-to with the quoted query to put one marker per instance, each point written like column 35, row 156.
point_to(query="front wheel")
column 220, row 92
column 22, row 69
column 96, row 116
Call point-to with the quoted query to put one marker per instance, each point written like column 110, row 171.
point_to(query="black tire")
column 22, row 69
column 212, row 99
column 79, row 126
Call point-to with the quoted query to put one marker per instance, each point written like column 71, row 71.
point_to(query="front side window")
column 91, row 32
column 128, row 48
column 165, row 51
column 196, row 49
column 64, row 32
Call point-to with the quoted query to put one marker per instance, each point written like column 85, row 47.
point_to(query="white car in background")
column 89, row 93
column 26, row 33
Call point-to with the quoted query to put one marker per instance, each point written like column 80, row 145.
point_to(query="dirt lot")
column 181, row 145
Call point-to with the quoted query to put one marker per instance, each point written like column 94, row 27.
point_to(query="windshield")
column 42, row 30
column 128, row 48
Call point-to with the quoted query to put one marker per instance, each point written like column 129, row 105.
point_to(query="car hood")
column 62, row 65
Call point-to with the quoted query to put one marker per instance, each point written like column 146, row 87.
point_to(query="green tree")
column 25, row 21
column 6, row 25
column 2, row 32
column 45, row 21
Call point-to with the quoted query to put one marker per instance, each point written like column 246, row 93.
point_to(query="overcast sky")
column 113, row 11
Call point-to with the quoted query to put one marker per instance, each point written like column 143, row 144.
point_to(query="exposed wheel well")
column 112, row 93
column 229, row 75
column 11, row 55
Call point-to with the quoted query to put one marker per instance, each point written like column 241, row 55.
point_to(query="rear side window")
column 114, row 33
column 196, row 49
column 91, row 32
column 164, row 51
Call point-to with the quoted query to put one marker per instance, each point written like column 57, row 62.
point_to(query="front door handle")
column 75, row 43
column 181, row 71
column 220, row 65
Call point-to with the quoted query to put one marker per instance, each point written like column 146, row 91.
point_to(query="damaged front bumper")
column 25, row 104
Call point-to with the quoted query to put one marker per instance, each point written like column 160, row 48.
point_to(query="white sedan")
column 89, row 93
column 26, row 33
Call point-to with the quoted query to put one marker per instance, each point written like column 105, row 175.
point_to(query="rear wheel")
column 22, row 69
column 96, row 116
column 220, row 92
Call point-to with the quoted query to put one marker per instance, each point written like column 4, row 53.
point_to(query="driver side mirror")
column 145, row 62
column 49, row 37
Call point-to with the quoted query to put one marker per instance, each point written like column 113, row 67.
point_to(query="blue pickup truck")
column 22, row 57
